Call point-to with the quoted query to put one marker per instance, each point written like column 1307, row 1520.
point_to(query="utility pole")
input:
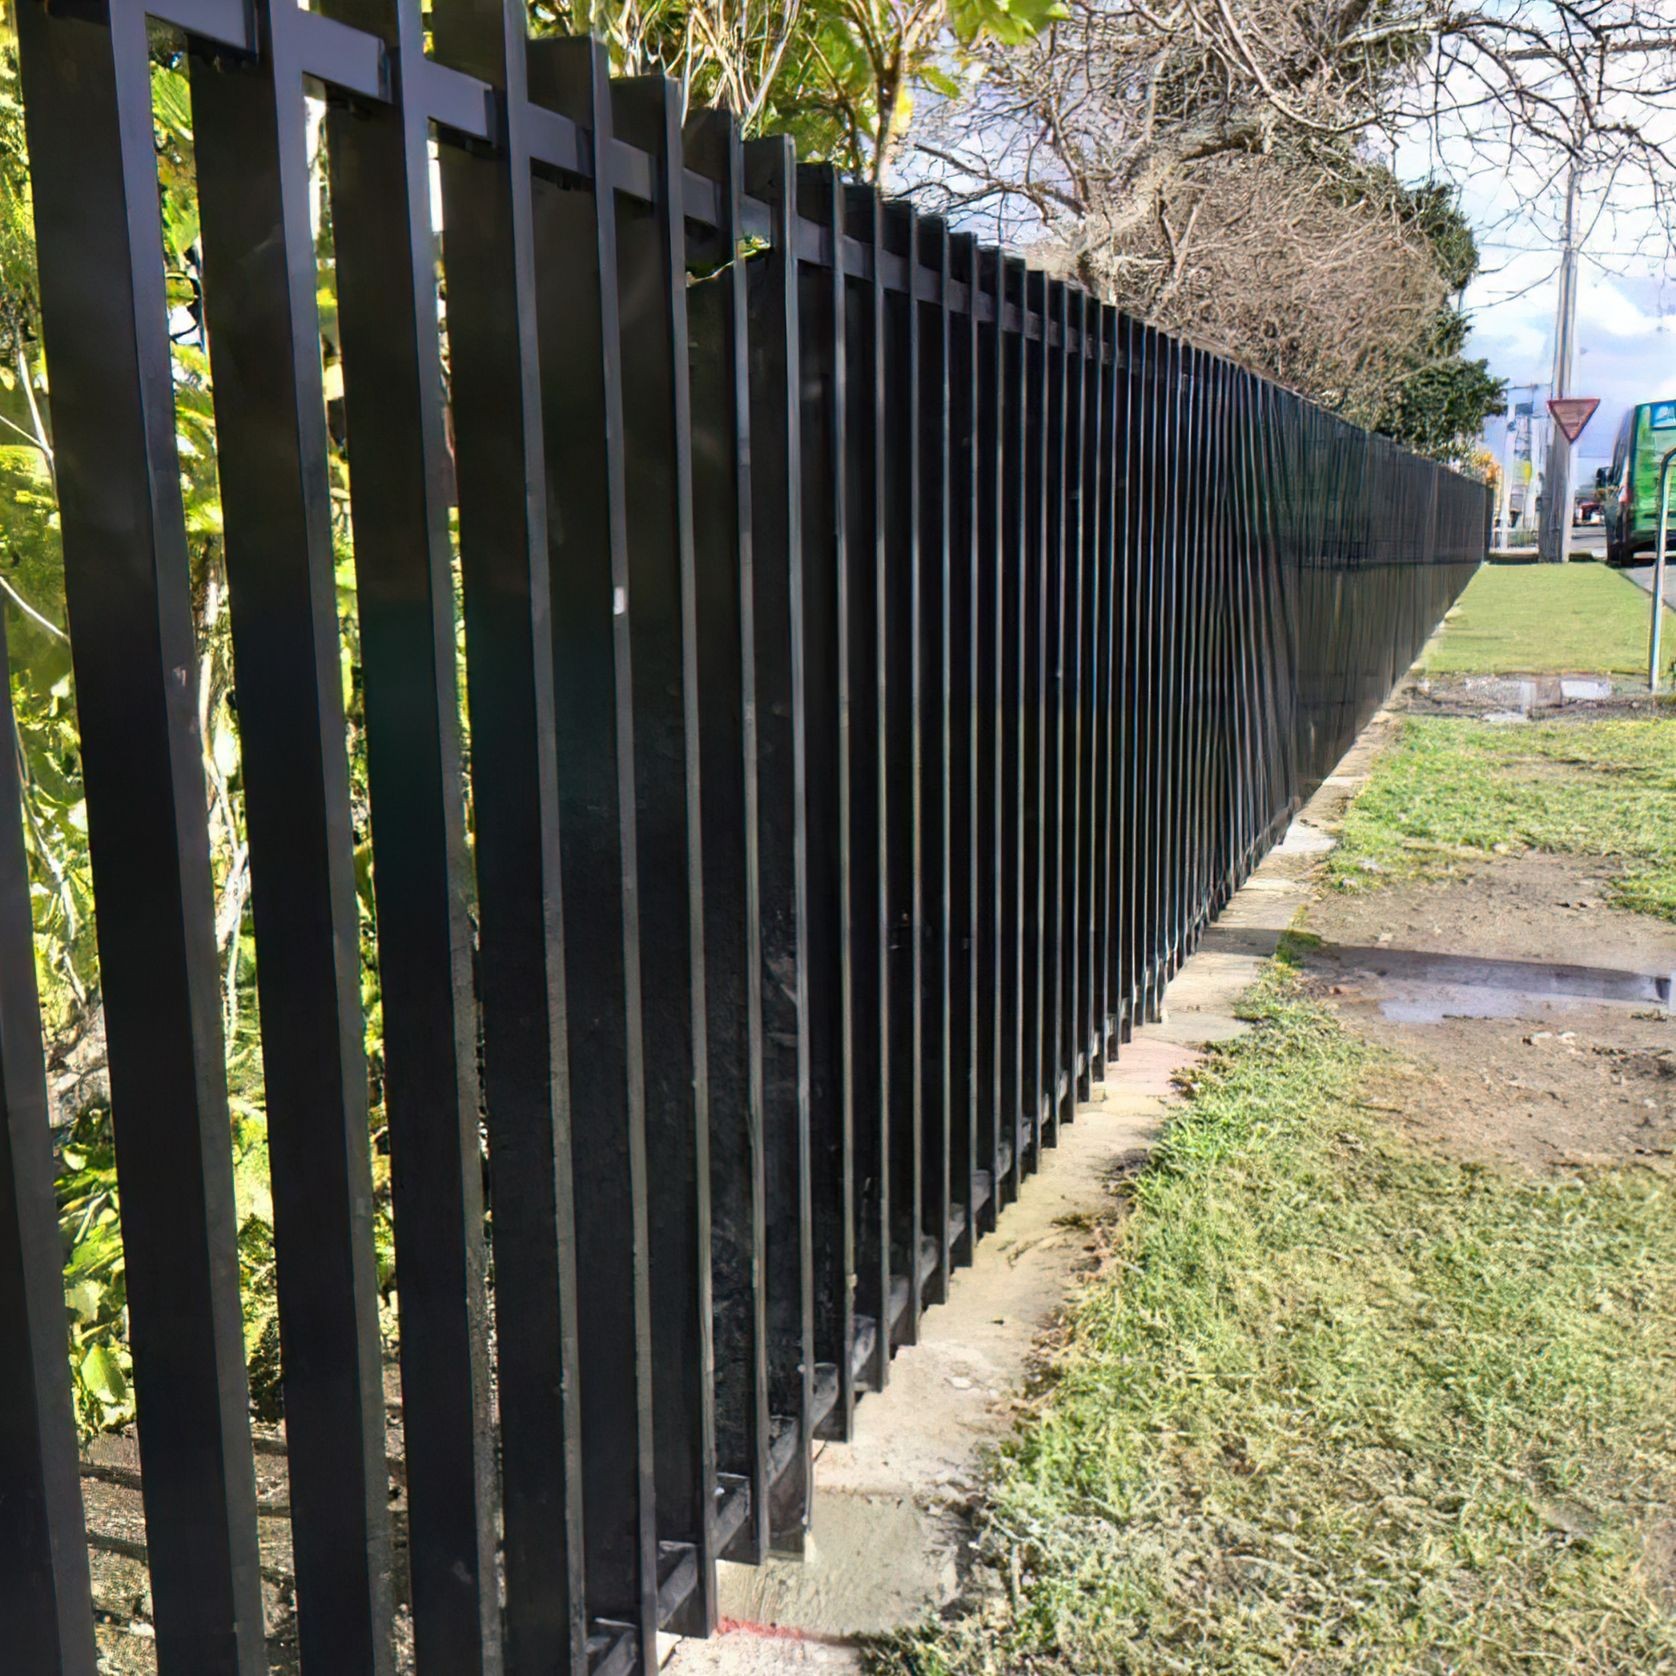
column 1504, row 500
column 1555, row 535
column 1510, row 461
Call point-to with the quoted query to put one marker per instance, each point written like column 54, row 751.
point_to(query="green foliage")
column 1434, row 209
column 1433, row 399
column 1439, row 399
column 43, row 702
column 17, row 230
column 1452, row 792
column 1438, row 407
column 95, row 1289
column 1338, row 1406
column 847, row 89
column 838, row 76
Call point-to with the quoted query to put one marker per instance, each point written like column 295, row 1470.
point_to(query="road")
column 1642, row 577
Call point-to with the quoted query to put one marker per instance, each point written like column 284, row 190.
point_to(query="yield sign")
column 1572, row 413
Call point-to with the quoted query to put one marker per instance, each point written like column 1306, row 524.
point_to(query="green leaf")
column 224, row 746
column 252, row 1191
column 940, row 81
column 102, row 1375
column 85, row 1299
column 171, row 104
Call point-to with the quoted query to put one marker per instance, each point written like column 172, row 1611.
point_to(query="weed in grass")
column 1449, row 790
column 1335, row 1406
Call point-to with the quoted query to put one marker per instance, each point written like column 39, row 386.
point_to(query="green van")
column 1630, row 485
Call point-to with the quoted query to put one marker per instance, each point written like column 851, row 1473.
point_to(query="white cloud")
column 1513, row 193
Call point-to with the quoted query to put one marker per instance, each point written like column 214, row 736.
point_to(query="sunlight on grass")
column 1449, row 791
column 1546, row 619
column 1335, row 1406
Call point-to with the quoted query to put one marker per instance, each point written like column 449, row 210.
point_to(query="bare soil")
column 1536, row 1019
column 1544, row 698
column 115, row 1512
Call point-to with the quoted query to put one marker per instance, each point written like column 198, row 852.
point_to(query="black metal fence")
column 883, row 662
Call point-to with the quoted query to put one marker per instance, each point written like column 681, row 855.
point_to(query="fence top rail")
column 359, row 65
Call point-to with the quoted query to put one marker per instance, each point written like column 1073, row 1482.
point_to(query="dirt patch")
column 1517, row 698
column 1661, row 1561
column 115, row 1512
column 1529, row 906
column 114, row 1507
column 1535, row 1019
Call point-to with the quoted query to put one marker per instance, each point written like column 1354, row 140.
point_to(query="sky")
column 1626, row 331
column 1513, row 195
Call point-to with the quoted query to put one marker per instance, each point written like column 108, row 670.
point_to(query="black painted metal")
column 126, row 577
column 46, row 1608
column 777, row 613
column 270, row 423
column 971, row 1164
column 657, row 450
column 868, row 838
column 828, row 790
column 883, row 662
column 899, row 611
column 722, row 535
column 993, row 1146
column 580, row 347
column 489, row 204
column 930, row 424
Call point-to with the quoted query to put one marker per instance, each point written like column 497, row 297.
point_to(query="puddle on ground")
column 1432, row 1004
column 1411, row 986
column 1510, row 699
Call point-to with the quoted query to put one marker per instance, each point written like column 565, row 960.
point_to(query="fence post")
column 928, row 269
column 87, row 96
column 900, row 612
column 777, row 526
column 868, row 828
column 271, row 461
column 723, row 563
column 652, row 315
column 581, row 368
column 488, row 207
column 824, row 645
column 972, row 1162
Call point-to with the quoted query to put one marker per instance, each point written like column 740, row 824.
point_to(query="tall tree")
column 1211, row 164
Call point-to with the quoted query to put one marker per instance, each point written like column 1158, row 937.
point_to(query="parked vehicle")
column 1630, row 485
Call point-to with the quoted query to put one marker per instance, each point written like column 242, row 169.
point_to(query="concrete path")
column 890, row 1533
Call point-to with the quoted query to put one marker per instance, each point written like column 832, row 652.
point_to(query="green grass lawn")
column 1337, row 1406
column 1545, row 619
column 1451, row 790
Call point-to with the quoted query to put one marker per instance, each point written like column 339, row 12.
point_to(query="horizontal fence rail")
column 883, row 660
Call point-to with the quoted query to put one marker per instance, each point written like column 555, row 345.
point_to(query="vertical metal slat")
column 776, row 479
column 87, row 98
column 579, row 336
column 723, row 560
column 669, row 867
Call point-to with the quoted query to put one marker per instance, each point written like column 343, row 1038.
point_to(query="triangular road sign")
column 1572, row 413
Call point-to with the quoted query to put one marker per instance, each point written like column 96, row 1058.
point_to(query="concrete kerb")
column 890, row 1531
